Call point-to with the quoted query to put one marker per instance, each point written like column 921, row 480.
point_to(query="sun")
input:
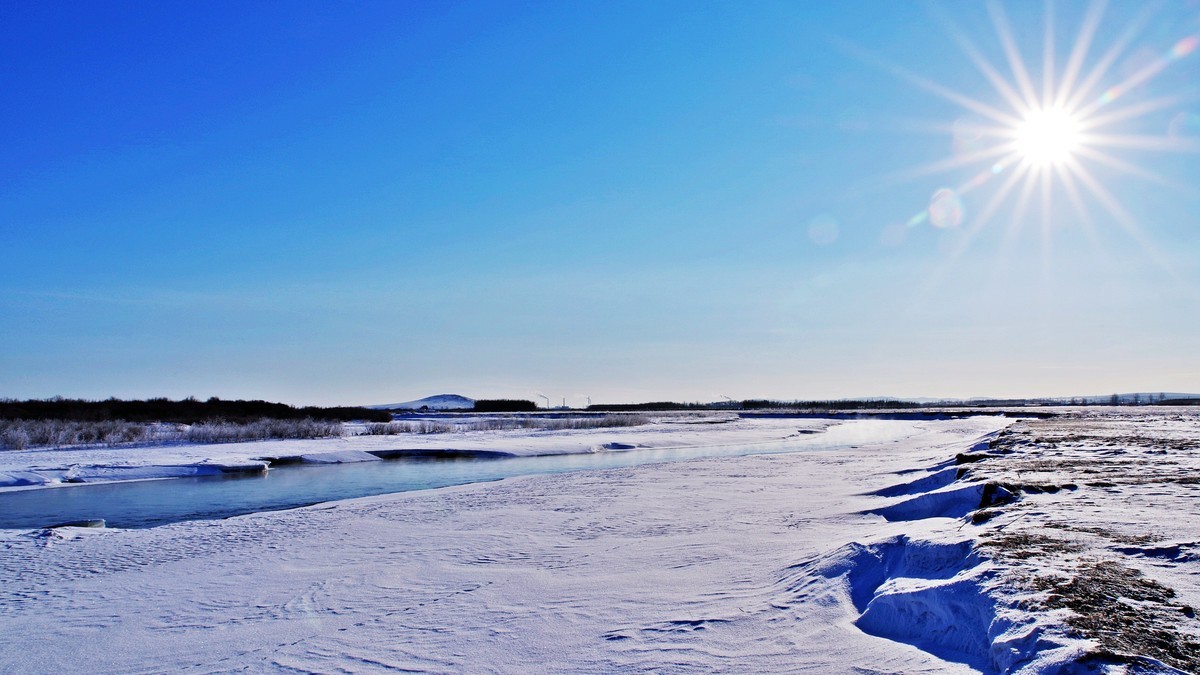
column 1027, row 146
column 1047, row 137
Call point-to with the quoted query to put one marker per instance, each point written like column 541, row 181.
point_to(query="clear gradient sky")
column 370, row 202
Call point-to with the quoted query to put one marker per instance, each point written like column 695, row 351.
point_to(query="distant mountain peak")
column 436, row 402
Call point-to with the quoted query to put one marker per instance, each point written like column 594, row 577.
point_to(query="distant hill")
column 438, row 402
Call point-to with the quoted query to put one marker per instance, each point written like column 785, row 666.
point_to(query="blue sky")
column 368, row 202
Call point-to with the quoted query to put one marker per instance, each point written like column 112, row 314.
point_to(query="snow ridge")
column 936, row 590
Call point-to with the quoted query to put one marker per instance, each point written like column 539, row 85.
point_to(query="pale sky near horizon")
column 370, row 202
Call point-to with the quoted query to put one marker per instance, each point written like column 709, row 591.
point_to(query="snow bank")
column 106, row 473
column 942, row 597
column 338, row 457
column 22, row 478
column 1049, row 550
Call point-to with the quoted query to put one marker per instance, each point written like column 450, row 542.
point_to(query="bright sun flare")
column 1047, row 137
column 1052, row 139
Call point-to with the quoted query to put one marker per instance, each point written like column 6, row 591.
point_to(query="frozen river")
column 157, row 502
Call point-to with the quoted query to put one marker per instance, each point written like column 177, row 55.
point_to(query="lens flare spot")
column 1185, row 46
column 1047, row 137
column 823, row 230
column 945, row 209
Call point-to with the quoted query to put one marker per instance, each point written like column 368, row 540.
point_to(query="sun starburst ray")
column 1083, row 42
column 1145, row 142
column 1084, row 215
column 1125, row 220
column 932, row 87
column 1145, row 73
column 939, row 128
column 954, row 97
column 1021, row 212
column 1129, row 168
column 1129, row 112
column 998, row 198
column 1101, row 68
column 1048, row 53
column 1047, row 240
column 949, row 164
column 989, row 210
column 1015, row 62
column 984, row 66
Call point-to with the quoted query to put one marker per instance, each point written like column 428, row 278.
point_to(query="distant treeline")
column 187, row 411
column 891, row 404
column 657, row 405
column 756, row 404
column 504, row 405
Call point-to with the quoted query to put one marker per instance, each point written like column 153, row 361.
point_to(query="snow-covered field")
column 1048, row 544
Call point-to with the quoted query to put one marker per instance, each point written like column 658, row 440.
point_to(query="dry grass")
column 1026, row 545
column 396, row 428
column 1131, row 618
column 1126, row 613
column 22, row 434
column 1120, row 538
column 263, row 429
